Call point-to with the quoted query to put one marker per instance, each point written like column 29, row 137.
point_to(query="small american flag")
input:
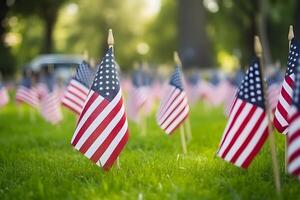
column 174, row 107
column 50, row 100
column 247, row 127
column 28, row 94
column 137, row 96
column 4, row 98
column 102, row 128
column 285, row 98
column 77, row 90
column 293, row 136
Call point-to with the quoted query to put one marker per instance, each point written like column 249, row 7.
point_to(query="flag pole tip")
column 177, row 58
column 257, row 46
column 86, row 55
column 291, row 33
column 110, row 38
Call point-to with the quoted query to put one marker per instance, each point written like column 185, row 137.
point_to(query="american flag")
column 137, row 96
column 285, row 98
column 247, row 127
column 174, row 107
column 293, row 136
column 4, row 98
column 50, row 100
column 28, row 94
column 77, row 90
column 273, row 93
column 102, row 128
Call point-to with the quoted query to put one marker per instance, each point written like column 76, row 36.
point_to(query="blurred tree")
column 47, row 10
column 7, row 65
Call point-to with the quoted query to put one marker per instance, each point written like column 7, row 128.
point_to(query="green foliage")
column 38, row 162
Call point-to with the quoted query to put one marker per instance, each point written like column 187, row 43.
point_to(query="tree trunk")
column 262, row 30
column 48, row 35
column 194, row 45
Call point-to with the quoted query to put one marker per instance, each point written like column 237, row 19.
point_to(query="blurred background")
column 207, row 33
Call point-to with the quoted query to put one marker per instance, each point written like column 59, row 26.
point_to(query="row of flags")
column 102, row 129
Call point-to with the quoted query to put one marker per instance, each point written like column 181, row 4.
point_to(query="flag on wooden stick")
column 285, row 98
column 50, row 100
column 28, row 94
column 102, row 128
column 77, row 90
column 174, row 108
column 247, row 127
column 293, row 135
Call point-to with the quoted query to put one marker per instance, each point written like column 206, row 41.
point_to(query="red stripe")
column 163, row 111
column 286, row 96
column 74, row 101
column 77, row 94
column 116, row 152
column 98, row 153
column 90, row 118
column 175, row 119
column 239, row 131
column 248, row 138
column 232, row 105
column 282, row 110
column 79, row 89
column 179, row 124
column 175, row 108
column 171, row 91
column 256, row 149
column 289, row 81
column 233, row 121
column 296, row 172
column 71, row 108
column 88, row 104
column 295, row 155
column 294, row 117
column 278, row 125
column 293, row 136
column 100, row 128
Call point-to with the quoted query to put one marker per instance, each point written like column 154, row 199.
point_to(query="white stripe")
column 174, row 114
column 106, row 155
column 175, row 123
column 244, row 134
column 73, row 90
column 72, row 105
column 105, row 133
column 294, row 165
column 287, row 88
column 171, row 107
column 294, row 146
column 169, row 91
column 93, row 125
column 77, row 84
column 92, row 107
column 283, row 102
column 167, row 104
column 280, row 118
column 74, row 98
column 235, row 127
column 255, row 139
column 231, row 117
column 294, row 126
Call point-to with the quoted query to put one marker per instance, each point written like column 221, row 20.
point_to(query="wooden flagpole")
column 110, row 42
column 259, row 52
column 182, row 132
column 290, row 37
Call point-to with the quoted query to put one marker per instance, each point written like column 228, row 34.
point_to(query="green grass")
column 38, row 162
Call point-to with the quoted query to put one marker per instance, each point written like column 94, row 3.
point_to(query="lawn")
column 38, row 162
